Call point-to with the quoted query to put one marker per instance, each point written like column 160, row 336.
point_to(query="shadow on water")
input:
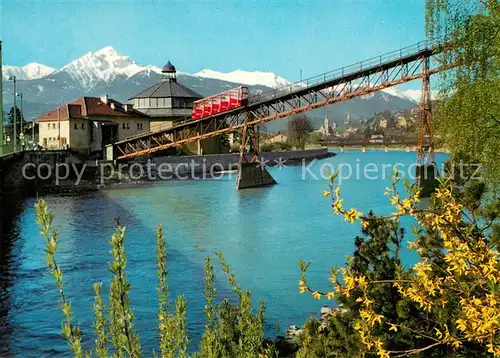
column 29, row 316
column 11, row 206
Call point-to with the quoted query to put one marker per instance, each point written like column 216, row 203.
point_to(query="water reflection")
column 11, row 207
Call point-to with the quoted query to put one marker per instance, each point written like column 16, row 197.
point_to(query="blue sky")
column 277, row 36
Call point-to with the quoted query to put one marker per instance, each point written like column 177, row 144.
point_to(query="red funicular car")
column 220, row 102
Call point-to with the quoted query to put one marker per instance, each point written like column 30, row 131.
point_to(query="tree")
column 9, row 128
column 298, row 131
column 19, row 116
column 468, row 110
column 316, row 138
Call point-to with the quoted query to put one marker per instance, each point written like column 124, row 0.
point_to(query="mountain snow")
column 31, row 71
column 252, row 78
column 394, row 92
column 103, row 65
column 415, row 95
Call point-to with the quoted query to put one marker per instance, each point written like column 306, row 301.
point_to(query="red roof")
column 87, row 107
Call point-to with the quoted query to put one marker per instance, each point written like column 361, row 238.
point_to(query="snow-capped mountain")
column 252, row 78
column 31, row 71
column 104, row 65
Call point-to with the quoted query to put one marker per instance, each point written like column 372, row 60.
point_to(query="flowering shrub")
column 448, row 303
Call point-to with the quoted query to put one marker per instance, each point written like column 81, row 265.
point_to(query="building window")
column 53, row 126
column 124, row 126
column 76, row 126
column 128, row 125
column 83, row 125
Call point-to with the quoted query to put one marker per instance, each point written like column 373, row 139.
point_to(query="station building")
column 168, row 103
column 87, row 124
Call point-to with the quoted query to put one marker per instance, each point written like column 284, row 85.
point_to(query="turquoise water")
column 261, row 232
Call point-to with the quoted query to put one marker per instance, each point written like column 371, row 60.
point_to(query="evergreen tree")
column 19, row 117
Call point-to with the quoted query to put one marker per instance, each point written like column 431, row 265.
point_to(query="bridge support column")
column 426, row 171
column 253, row 173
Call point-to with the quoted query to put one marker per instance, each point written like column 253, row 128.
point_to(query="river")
column 261, row 232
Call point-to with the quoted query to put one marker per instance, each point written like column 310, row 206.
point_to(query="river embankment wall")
column 230, row 161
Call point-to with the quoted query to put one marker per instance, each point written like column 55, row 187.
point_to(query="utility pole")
column 59, row 126
column 1, row 102
column 21, row 120
column 15, row 115
column 33, row 130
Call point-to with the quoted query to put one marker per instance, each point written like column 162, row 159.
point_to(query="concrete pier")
column 253, row 175
column 427, row 179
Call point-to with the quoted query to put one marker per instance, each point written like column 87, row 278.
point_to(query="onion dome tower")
column 169, row 72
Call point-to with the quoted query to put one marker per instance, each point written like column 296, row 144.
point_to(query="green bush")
column 283, row 146
column 267, row 147
column 235, row 148
column 275, row 147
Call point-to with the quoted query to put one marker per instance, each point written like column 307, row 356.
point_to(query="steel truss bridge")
column 362, row 78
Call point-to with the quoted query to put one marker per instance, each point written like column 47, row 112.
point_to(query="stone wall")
column 13, row 165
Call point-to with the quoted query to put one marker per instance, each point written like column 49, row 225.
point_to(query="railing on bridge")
column 346, row 70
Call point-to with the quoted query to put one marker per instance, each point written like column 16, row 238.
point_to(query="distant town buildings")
column 87, row 124
column 349, row 132
column 327, row 130
column 376, row 138
column 277, row 138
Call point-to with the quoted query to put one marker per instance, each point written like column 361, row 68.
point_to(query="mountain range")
column 108, row 72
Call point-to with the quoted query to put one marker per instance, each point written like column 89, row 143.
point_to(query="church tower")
column 348, row 119
column 326, row 126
